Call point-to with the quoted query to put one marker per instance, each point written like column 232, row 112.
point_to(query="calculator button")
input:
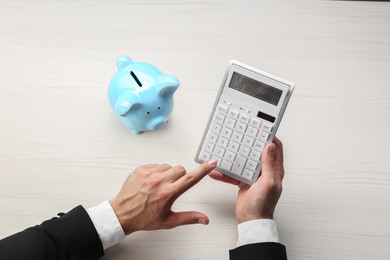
column 266, row 127
column 207, row 147
column 244, row 118
column 252, row 132
column 212, row 138
column 215, row 128
column 258, row 146
column 218, row 159
column 219, row 151
column 233, row 113
column 204, row 156
column 247, row 174
column 255, row 123
column 229, row 156
column 239, row 165
column 219, row 118
column 244, row 151
column 223, row 142
column 237, row 137
column 233, row 146
column 255, row 155
column 251, row 165
column 226, row 132
column 230, row 123
column 222, row 109
column 248, row 141
column 226, row 165
column 263, row 136
column 240, row 127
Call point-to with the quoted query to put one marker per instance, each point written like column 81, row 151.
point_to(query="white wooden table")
column 60, row 144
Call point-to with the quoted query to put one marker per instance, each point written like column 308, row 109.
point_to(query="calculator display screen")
column 255, row 88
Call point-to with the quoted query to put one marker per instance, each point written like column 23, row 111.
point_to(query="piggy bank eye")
column 135, row 78
column 158, row 108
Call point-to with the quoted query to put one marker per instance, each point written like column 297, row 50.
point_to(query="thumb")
column 268, row 160
column 188, row 218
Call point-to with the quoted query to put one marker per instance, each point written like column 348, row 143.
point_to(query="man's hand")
column 146, row 198
column 259, row 200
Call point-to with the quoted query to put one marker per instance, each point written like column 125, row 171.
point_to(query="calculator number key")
column 223, row 142
column 208, row 147
column 226, row 132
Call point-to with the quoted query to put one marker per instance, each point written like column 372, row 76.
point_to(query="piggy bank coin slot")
column 135, row 78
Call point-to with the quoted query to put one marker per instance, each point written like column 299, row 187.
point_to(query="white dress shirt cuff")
column 257, row 231
column 106, row 223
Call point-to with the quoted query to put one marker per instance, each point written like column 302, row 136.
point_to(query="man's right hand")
column 258, row 201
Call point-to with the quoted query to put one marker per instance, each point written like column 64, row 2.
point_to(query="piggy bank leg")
column 136, row 132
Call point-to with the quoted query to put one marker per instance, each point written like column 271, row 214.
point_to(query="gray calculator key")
column 239, row 165
column 204, row 156
column 240, row 127
column 244, row 151
column 266, row 127
column 252, row 131
column 233, row 113
column 237, row 137
column 218, row 118
column 263, row 136
column 244, row 118
column 222, row 109
column 216, row 128
column 248, row 141
column 255, row 155
column 223, row 142
column 251, row 165
column 219, row 151
column 258, row 146
column 230, row 123
column 226, row 165
column 233, row 146
column 208, row 147
column 255, row 123
column 230, row 156
column 247, row 174
column 212, row 138
column 226, row 132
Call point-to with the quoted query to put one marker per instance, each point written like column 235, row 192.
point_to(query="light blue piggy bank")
column 141, row 96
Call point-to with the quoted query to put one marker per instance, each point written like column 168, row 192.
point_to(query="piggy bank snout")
column 157, row 123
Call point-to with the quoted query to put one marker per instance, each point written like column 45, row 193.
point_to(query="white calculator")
column 246, row 114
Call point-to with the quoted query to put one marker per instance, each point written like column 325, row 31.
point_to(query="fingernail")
column 212, row 162
column 202, row 221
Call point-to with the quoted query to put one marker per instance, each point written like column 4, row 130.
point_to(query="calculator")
column 245, row 117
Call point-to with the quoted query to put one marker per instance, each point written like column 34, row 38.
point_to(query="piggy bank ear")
column 123, row 61
column 167, row 86
column 126, row 103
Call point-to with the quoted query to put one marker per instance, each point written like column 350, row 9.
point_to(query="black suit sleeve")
column 259, row 251
column 73, row 235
